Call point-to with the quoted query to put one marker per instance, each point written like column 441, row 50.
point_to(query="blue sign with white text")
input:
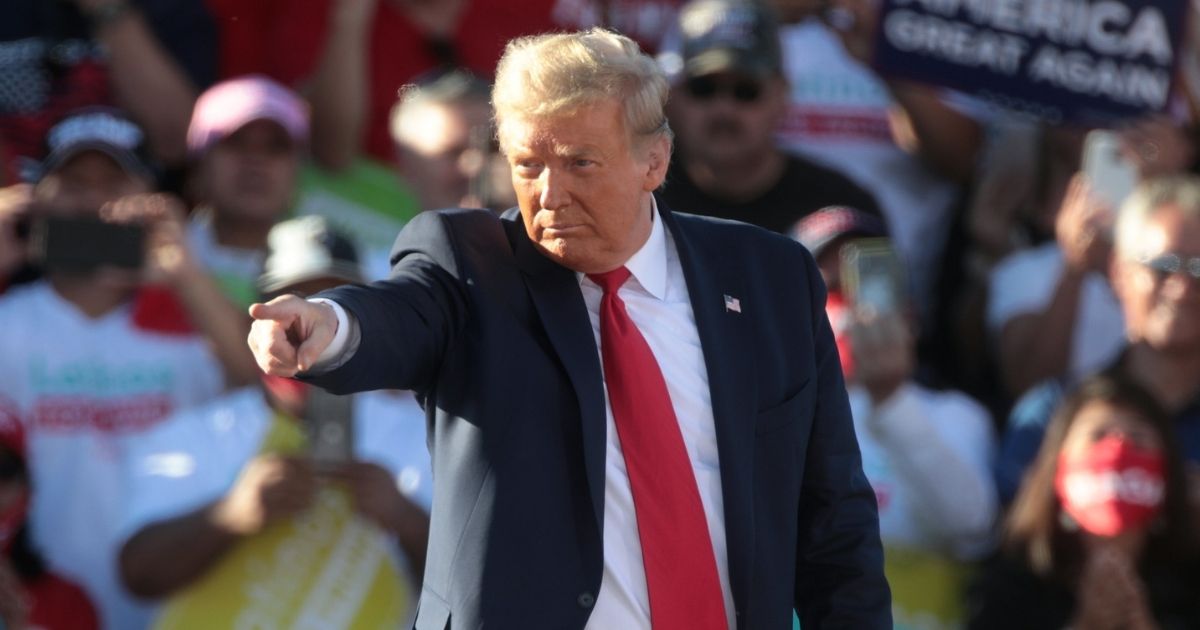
column 1082, row 61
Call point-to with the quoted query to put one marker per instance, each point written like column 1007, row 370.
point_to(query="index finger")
column 283, row 309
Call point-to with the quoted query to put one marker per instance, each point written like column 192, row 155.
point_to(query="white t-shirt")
column 838, row 117
column 235, row 269
column 194, row 457
column 928, row 456
column 86, row 390
column 1024, row 283
column 921, row 444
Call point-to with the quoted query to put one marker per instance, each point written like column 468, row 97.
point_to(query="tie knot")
column 610, row 281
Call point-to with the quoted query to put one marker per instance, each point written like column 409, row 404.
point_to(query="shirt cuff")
column 344, row 344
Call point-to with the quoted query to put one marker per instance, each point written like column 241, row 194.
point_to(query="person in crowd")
column 106, row 343
column 729, row 98
column 928, row 454
column 1051, row 309
column 247, row 138
column 351, row 56
column 147, row 57
column 1100, row 535
column 909, row 145
column 644, row 21
column 1051, row 312
column 240, row 478
column 513, row 328
column 443, row 134
column 30, row 595
column 1155, row 274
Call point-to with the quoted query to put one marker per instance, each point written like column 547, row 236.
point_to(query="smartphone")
column 1110, row 175
column 329, row 420
column 872, row 276
column 85, row 243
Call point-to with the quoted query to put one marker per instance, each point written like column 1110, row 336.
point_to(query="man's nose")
column 554, row 191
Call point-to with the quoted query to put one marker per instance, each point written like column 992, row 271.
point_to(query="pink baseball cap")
column 229, row 105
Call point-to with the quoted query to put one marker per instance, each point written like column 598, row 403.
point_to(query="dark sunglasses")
column 742, row 90
column 1168, row 264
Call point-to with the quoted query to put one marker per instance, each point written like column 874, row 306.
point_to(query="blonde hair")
column 553, row 74
column 1150, row 197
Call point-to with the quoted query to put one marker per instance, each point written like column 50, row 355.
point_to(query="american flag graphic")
column 733, row 304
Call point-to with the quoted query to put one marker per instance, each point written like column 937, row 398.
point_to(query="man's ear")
column 658, row 158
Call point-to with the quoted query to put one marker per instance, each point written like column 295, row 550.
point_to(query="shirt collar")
column 649, row 264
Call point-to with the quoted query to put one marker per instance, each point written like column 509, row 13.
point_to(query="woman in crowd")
column 1099, row 534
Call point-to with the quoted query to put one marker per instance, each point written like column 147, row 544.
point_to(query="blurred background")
column 1003, row 198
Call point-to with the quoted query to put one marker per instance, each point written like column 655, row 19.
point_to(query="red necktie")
column 681, row 572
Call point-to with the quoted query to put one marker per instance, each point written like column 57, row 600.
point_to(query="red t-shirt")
column 284, row 39
column 57, row 604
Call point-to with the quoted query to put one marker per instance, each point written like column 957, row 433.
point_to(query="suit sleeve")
column 839, row 559
column 408, row 322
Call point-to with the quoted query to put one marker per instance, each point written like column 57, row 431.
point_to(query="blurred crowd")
column 1021, row 344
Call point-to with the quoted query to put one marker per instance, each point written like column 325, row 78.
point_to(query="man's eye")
column 584, row 163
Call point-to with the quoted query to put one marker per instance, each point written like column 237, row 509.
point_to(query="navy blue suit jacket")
column 496, row 339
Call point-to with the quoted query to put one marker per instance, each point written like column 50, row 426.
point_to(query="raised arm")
column 1036, row 346
column 947, row 140
column 339, row 87
column 404, row 324
column 147, row 81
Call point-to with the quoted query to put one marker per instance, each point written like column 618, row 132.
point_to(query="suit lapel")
column 724, row 336
column 554, row 290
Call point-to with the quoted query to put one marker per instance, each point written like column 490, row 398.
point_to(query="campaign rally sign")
column 326, row 568
column 1085, row 61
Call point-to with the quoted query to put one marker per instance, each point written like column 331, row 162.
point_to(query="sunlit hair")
column 445, row 89
column 554, row 74
column 1035, row 531
column 1150, row 197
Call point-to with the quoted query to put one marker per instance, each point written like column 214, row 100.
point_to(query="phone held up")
column 329, row 421
column 872, row 277
column 81, row 244
column 1110, row 175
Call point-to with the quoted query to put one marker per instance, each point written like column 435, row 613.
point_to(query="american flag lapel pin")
column 732, row 304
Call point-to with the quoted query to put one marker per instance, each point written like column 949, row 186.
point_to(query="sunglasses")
column 741, row 90
column 1169, row 264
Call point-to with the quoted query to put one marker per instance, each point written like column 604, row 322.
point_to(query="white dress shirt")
column 656, row 299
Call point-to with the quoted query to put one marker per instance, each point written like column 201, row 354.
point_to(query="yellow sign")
column 325, row 570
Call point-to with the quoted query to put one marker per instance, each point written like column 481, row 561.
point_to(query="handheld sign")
column 1081, row 61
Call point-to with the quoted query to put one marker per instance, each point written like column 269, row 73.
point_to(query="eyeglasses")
column 744, row 91
column 1168, row 264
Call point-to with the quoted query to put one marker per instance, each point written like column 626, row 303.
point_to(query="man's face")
column 84, row 183
column 727, row 118
column 251, row 174
column 438, row 157
column 1162, row 309
column 583, row 190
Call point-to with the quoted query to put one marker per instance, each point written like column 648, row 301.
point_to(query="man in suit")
column 637, row 417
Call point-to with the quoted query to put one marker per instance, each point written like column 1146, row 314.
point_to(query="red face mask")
column 1113, row 487
column 840, row 315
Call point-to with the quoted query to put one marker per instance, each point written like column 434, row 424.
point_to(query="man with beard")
column 1155, row 273
column 729, row 100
